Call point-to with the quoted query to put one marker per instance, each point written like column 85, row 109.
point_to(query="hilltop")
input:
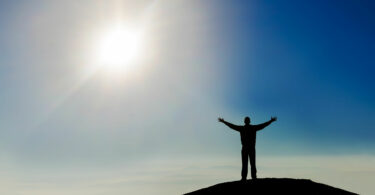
column 271, row 186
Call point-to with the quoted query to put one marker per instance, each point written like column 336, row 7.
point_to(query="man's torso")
column 248, row 135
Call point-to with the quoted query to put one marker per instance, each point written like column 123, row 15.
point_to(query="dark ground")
column 271, row 186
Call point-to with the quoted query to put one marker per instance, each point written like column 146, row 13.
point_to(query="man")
column 248, row 137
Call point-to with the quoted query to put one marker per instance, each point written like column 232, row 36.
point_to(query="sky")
column 72, row 124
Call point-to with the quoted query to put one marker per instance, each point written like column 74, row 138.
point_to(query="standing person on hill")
column 248, row 138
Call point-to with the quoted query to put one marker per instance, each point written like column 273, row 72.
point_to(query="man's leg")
column 244, row 154
column 252, row 163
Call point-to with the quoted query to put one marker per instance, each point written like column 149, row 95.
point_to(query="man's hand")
column 220, row 119
column 273, row 119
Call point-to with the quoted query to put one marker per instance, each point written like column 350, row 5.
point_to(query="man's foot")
column 243, row 179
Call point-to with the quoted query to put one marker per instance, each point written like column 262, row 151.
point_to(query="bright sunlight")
column 119, row 48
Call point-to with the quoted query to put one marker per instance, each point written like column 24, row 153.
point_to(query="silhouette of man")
column 248, row 137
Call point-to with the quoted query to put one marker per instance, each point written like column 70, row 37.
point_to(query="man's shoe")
column 254, row 177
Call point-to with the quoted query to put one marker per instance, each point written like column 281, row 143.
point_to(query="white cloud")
column 171, row 175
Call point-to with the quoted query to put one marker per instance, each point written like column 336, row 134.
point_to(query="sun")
column 118, row 48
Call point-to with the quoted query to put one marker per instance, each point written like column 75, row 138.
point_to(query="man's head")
column 246, row 120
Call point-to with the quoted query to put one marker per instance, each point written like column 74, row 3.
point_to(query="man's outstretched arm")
column 230, row 125
column 263, row 125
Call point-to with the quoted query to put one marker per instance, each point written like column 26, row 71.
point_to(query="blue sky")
column 310, row 63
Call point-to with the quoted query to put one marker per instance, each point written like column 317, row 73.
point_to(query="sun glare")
column 118, row 48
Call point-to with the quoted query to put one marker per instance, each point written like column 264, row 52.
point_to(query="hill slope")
column 271, row 186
